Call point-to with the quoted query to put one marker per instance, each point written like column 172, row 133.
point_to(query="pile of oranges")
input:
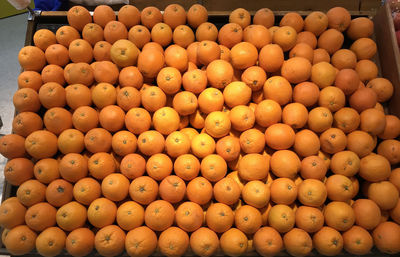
column 140, row 133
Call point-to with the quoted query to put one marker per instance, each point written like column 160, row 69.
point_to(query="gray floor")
column 12, row 38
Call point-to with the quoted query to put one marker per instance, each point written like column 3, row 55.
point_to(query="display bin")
column 387, row 57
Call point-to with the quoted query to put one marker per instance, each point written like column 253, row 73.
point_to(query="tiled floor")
column 12, row 38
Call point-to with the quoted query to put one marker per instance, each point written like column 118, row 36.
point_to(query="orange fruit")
column 267, row 241
column 328, row 241
column 129, row 15
column 109, row 241
column 240, row 16
column 316, row 22
column 66, row 34
column 80, row 242
column 18, row 170
column 143, row 190
column 285, row 37
column 233, row 242
column 230, row 34
column 281, row 217
column 219, row 217
column 12, row 213
column 279, row 136
column 140, row 241
column 196, row 15
column 31, row 58
column 78, row 17
column 12, row 146
column 51, row 241
column 130, row 215
column 26, row 100
column 339, row 18
column 206, row 31
column 71, row 216
column 309, row 219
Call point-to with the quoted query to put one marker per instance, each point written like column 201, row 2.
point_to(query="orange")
column 53, row 73
column 309, row 219
column 233, row 242
column 78, row 95
column 79, row 73
column 31, row 192
column 169, row 79
column 57, row 120
column 59, row 192
column 189, row 216
column 159, row 166
column 106, row 71
column 243, row 55
column 268, row 112
column 129, row 15
column 12, row 146
column 333, row 140
column 137, row 120
column 240, row 16
column 237, row 93
column 30, row 79
column 230, row 34
column 183, row 36
column 92, row 33
column 217, row 124
column 98, row 140
column 124, row 53
column 23, row 124
column 115, row 187
column 176, row 144
column 278, row 88
column 331, row 40
column 26, row 100
column 46, row 170
column 52, row 95
column 364, row 48
column 85, row 118
column 151, row 142
column 339, row 215
column 153, row 98
column 279, row 136
column 271, row 57
column 253, row 167
column 316, row 22
column 385, row 236
column 208, row 51
column 41, row 216
column 283, row 191
column 143, row 190
column 112, row 118
column 281, row 217
column 204, row 242
column 308, row 38
column 159, row 215
column 248, row 219
column 140, row 241
column 66, row 34
column 57, row 54
column 257, row 35
column 172, row 189
column 51, row 241
column 20, row 240
column 31, row 58
column 130, row 215
column 202, row 145
column 344, row 59
column 18, row 170
column 80, row 51
column 80, row 242
column 101, row 164
column 226, row 191
column 73, row 167
column 109, row 241
column 173, row 242
column 78, row 17
column 206, row 31
column 267, row 241
column 339, row 18
column 101, row 51
column 71, row 216
column 12, row 213
column 41, row 144
column 104, row 94
column 210, row 100
column 101, row 212
column 219, row 73
column 219, row 217
column 86, row 190
column 285, row 37
column 357, row 240
column 199, row 190
column 312, row 192
column 298, row 242
column 321, row 55
column 103, row 14
column 328, row 241
column 139, row 35
column 320, row 119
column 194, row 81
column 228, row 148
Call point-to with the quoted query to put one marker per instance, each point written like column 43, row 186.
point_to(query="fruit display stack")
column 148, row 132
